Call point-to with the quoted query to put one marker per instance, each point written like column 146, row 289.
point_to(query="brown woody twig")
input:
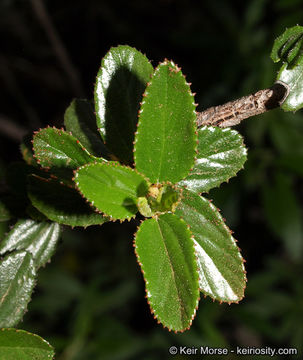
column 233, row 112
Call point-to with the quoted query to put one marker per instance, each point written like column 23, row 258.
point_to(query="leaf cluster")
column 152, row 160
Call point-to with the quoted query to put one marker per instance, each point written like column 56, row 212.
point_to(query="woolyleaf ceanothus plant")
column 135, row 152
column 161, row 163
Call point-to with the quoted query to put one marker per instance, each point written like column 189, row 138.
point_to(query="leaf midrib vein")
column 173, row 272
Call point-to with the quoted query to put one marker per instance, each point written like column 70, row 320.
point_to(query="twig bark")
column 233, row 112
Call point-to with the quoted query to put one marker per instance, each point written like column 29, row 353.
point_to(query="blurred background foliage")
column 89, row 302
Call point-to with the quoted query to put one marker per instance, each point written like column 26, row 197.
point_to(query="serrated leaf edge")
column 176, row 69
column 243, row 153
column 60, row 132
column 91, row 202
column 31, row 334
column 217, row 211
column 152, row 310
column 99, row 73
column 55, row 178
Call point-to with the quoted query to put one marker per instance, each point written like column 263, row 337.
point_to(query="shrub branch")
column 233, row 112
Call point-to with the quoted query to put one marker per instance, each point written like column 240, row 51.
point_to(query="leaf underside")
column 61, row 203
column 221, row 154
column 111, row 188
column 37, row 238
column 120, row 84
column 165, row 252
column 166, row 139
column 288, row 47
column 18, row 344
column 17, row 278
column 221, row 270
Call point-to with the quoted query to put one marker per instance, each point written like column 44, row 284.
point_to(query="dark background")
column 89, row 302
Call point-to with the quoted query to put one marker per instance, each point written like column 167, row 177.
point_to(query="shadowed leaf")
column 80, row 120
column 65, row 207
column 120, row 84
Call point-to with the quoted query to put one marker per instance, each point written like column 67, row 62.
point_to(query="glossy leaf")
column 38, row 238
column 293, row 78
column 59, row 149
column 166, row 140
column 289, row 47
column 221, row 269
column 120, row 84
column 18, row 344
column 221, row 154
column 80, row 120
column 17, row 278
column 166, row 254
column 61, row 203
column 111, row 188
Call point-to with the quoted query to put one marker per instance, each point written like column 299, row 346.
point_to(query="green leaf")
column 59, row 149
column 61, row 203
column 18, row 344
column 288, row 47
column 221, row 154
column 38, row 238
column 293, row 78
column 221, row 269
column 166, row 254
column 283, row 214
column 80, row 120
column 111, row 188
column 120, row 84
column 166, row 139
column 17, row 278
